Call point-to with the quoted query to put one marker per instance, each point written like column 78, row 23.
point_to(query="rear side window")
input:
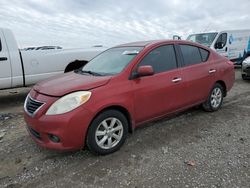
column 161, row 59
column 0, row 45
column 191, row 55
column 204, row 54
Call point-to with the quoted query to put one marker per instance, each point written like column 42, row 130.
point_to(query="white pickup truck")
column 20, row 68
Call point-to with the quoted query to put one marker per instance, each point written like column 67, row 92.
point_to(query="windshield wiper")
column 89, row 72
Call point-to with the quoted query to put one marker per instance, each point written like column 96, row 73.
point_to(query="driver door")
column 5, row 67
column 221, row 45
column 161, row 93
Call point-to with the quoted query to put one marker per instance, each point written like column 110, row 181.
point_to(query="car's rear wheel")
column 215, row 98
column 107, row 132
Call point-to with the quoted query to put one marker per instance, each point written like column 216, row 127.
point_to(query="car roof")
column 138, row 43
column 156, row 42
column 144, row 43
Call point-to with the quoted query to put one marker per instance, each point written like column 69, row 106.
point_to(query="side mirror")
column 146, row 70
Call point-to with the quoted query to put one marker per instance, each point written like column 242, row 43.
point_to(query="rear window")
column 191, row 55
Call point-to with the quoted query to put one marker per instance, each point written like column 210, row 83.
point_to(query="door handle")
column 175, row 80
column 3, row 58
column 211, row 71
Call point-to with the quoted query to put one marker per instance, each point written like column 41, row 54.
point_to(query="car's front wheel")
column 215, row 98
column 107, row 132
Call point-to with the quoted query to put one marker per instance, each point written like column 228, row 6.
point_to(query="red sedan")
column 123, row 87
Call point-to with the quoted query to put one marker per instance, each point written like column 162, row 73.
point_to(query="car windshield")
column 205, row 39
column 112, row 61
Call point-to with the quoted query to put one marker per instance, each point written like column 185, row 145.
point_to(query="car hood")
column 70, row 82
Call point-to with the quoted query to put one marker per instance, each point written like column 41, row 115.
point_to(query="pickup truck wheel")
column 107, row 132
column 215, row 99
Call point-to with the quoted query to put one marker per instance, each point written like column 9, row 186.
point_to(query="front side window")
column 221, row 41
column 191, row 54
column 161, row 59
column 112, row 61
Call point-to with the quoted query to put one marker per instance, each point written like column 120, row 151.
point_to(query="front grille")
column 32, row 106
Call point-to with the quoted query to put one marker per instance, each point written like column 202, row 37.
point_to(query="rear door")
column 198, row 72
column 5, row 67
column 162, row 92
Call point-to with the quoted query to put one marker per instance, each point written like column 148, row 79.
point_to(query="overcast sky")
column 84, row 23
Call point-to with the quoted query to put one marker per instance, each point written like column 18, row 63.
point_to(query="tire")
column 244, row 77
column 107, row 133
column 215, row 98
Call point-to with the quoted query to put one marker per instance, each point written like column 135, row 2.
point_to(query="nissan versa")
column 122, row 88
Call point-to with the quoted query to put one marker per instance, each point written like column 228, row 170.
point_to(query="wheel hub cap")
column 216, row 97
column 109, row 133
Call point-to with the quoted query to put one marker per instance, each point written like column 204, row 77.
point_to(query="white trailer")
column 233, row 44
column 19, row 68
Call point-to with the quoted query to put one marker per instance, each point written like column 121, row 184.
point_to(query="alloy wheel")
column 109, row 133
column 216, row 97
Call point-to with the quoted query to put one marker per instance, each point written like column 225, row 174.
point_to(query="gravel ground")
column 192, row 149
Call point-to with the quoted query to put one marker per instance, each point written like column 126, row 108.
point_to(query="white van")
column 233, row 44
